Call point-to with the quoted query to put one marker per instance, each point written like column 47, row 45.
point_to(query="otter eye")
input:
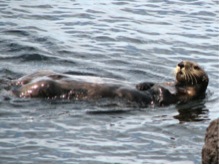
column 196, row 67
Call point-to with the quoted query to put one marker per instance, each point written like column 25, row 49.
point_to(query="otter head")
column 190, row 74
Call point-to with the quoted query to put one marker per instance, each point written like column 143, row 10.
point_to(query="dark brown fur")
column 191, row 82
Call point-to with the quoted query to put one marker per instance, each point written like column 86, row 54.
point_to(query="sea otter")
column 191, row 83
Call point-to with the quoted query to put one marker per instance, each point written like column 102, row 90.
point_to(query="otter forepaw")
column 162, row 96
column 144, row 86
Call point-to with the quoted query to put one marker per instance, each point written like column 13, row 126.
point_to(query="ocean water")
column 123, row 39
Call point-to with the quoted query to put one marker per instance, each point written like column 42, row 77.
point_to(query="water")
column 128, row 40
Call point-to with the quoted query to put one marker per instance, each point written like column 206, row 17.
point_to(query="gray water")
column 128, row 40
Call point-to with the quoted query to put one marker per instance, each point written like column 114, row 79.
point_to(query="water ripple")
column 128, row 40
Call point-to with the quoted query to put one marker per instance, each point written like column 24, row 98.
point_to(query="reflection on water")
column 196, row 111
column 134, row 41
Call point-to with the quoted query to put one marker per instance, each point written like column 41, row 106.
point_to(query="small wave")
column 27, row 57
column 15, row 47
column 16, row 32
column 46, row 6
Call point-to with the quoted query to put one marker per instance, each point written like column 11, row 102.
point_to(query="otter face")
column 190, row 73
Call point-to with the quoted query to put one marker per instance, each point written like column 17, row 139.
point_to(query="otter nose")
column 181, row 65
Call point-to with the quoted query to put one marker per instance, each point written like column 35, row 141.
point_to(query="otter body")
column 191, row 83
column 54, row 85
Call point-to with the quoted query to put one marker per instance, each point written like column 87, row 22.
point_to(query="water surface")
column 127, row 40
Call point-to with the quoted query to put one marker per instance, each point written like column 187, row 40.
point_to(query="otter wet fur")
column 191, row 83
